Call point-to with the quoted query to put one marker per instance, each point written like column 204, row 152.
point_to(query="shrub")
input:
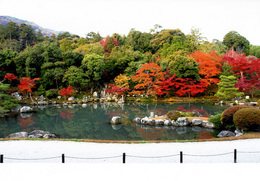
column 51, row 94
column 216, row 120
column 247, row 119
column 227, row 116
column 173, row 115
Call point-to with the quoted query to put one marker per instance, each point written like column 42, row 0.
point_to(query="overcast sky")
column 214, row 18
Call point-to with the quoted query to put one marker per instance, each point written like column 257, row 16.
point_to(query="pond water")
column 92, row 121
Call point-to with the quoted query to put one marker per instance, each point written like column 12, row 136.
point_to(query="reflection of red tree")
column 150, row 134
column 66, row 114
column 26, row 122
column 204, row 135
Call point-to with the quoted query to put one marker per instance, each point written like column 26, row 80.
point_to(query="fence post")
column 235, row 155
column 1, row 158
column 63, row 158
column 181, row 157
column 123, row 157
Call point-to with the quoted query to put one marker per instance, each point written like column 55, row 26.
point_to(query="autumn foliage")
column 10, row 76
column 26, row 84
column 117, row 89
column 148, row 79
column 209, row 66
column 66, row 92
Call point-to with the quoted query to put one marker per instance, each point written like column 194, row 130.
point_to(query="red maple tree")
column 117, row 89
column 26, row 84
column 148, row 79
column 66, row 92
column 10, row 76
column 209, row 65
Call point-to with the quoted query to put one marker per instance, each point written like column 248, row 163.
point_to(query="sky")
column 213, row 18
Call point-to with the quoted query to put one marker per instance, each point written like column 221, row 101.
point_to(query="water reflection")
column 91, row 121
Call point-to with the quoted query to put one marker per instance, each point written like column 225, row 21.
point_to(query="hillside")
column 5, row 19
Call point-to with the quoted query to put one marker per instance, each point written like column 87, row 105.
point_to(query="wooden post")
column 181, row 157
column 235, row 155
column 63, row 158
column 1, row 158
column 123, row 157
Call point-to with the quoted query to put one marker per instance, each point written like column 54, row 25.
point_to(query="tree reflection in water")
column 92, row 121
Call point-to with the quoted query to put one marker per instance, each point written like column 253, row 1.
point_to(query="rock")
column 225, row 133
column 116, row 120
column 196, row 122
column 84, row 105
column 18, row 135
column 238, row 132
column 147, row 121
column 196, row 113
column 95, row 94
column 207, row 124
column 253, row 104
column 71, row 98
column 138, row 100
column 41, row 98
column 247, row 97
column 159, row 122
column 41, row 134
column 182, row 122
column 167, row 123
column 151, row 114
column 17, row 96
column 25, row 109
column 137, row 120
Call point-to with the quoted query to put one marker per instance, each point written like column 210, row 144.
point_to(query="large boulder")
column 159, row 122
column 116, row 120
column 225, row 133
column 207, row 124
column 25, row 109
column 196, row 122
column 181, row 121
column 238, row 132
column 167, row 122
column 137, row 120
column 18, row 135
column 196, row 113
column 17, row 96
column 41, row 134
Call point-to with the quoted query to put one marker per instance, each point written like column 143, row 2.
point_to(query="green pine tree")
column 227, row 88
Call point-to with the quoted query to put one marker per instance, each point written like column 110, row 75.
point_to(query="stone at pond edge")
column 238, row 133
column 18, row 135
column 116, row 120
column 196, row 122
column 225, row 133
column 182, row 122
column 41, row 134
column 26, row 109
column 33, row 134
column 207, row 124
column 137, row 120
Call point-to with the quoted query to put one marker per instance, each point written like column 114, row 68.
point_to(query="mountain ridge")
column 45, row 31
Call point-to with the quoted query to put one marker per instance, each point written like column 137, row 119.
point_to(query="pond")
column 92, row 121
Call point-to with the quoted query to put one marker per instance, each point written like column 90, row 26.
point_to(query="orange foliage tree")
column 26, row 85
column 148, row 79
column 209, row 66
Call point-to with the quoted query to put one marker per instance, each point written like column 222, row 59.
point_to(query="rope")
column 94, row 158
column 152, row 156
column 249, row 152
column 210, row 155
column 31, row 158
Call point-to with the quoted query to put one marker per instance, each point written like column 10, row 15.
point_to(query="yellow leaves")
column 122, row 81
